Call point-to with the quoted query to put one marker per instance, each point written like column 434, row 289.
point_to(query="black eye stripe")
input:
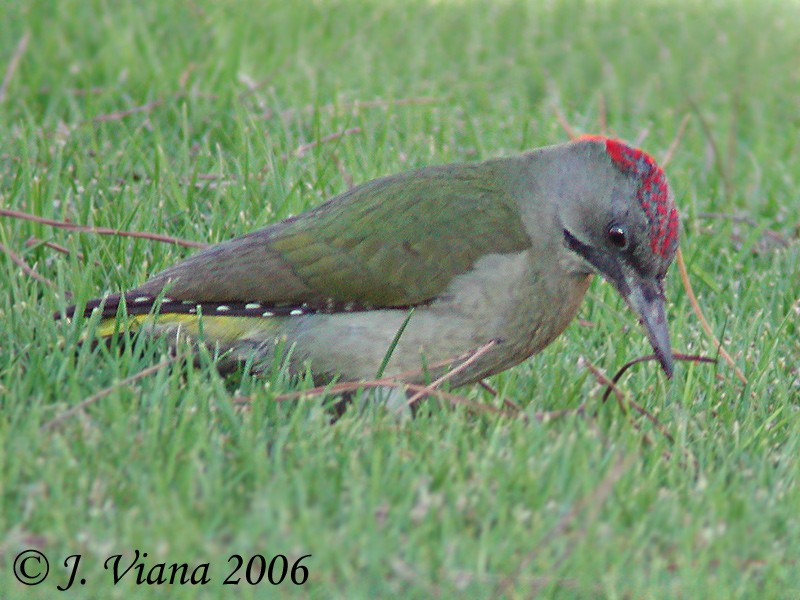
column 608, row 266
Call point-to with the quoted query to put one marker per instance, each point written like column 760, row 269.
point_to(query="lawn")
column 203, row 120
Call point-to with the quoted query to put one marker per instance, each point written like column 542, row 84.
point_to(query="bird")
column 424, row 266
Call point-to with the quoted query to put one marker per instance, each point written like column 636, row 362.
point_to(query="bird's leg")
column 393, row 400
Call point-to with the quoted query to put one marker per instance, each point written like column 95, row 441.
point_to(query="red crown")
column 653, row 192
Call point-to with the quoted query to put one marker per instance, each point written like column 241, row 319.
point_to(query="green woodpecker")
column 498, row 250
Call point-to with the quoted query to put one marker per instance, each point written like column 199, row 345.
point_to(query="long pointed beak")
column 646, row 298
column 645, row 295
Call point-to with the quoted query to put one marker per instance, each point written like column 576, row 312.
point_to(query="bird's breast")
column 506, row 297
column 518, row 298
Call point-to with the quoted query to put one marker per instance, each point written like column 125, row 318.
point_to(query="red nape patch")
column 653, row 192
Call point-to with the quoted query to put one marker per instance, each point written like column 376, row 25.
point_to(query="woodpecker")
column 499, row 250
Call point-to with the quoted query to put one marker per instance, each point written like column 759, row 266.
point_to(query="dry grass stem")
column 699, row 312
column 653, row 357
column 22, row 46
column 121, row 114
column 452, row 372
column 156, row 237
column 625, row 399
column 304, row 148
column 562, row 120
column 675, row 141
column 17, row 259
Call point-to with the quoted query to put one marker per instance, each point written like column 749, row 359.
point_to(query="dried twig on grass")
column 121, row 114
column 17, row 259
column 34, row 241
column 623, row 400
column 562, row 120
column 675, row 141
column 452, row 372
column 156, row 237
column 653, row 357
column 706, row 327
column 304, row 148
column 642, row 136
column 689, row 457
column 454, row 399
column 399, row 381
column 387, row 382
column 22, row 46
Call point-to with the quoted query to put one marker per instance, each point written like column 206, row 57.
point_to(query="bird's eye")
column 617, row 237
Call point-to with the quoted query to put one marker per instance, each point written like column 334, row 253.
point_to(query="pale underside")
column 504, row 298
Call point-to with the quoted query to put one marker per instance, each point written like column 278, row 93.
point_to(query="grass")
column 234, row 102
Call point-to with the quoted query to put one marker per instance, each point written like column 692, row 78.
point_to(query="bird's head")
column 622, row 224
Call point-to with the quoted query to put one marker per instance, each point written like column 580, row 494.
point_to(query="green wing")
column 394, row 241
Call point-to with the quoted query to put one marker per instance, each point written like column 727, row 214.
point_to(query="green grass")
column 482, row 506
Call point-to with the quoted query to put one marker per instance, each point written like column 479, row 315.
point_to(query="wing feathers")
column 394, row 242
